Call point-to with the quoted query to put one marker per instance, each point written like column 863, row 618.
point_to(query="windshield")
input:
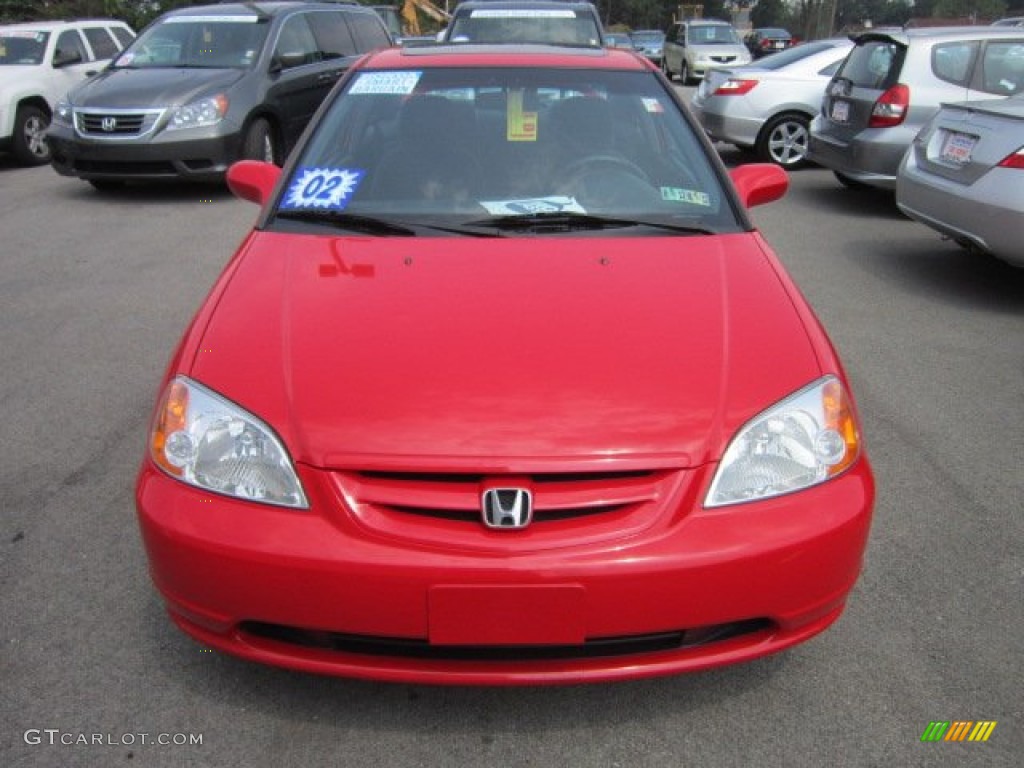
column 711, row 34
column 197, row 41
column 22, row 46
column 648, row 37
column 513, row 25
column 473, row 149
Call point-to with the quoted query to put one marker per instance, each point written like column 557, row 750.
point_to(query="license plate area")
column 533, row 614
column 840, row 112
column 957, row 147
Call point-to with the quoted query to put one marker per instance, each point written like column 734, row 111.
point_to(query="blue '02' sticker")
column 327, row 188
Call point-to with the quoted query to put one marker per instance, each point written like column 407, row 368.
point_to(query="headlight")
column 199, row 113
column 206, row 441
column 62, row 113
column 806, row 439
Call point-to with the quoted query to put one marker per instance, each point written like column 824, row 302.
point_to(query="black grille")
column 421, row 649
column 123, row 125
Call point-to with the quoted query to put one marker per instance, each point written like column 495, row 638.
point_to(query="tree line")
column 808, row 19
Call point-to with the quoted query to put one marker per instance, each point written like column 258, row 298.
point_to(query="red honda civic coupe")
column 504, row 387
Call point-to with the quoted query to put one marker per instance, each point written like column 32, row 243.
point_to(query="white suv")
column 39, row 63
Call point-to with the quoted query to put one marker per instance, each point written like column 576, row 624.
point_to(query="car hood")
column 440, row 352
column 151, row 87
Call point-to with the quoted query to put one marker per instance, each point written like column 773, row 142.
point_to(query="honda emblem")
column 507, row 508
column 109, row 124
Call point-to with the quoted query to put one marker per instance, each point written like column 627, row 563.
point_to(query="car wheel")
column 684, row 72
column 666, row 69
column 783, row 141
column 259, row 142
column 29, row 140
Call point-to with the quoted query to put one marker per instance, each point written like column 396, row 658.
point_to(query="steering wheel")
column 608, row 164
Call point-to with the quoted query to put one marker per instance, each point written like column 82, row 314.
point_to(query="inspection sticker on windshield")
column 691, row 196
column 653, row 106
column 534, row 205
column 400, row 83
column 327, row 188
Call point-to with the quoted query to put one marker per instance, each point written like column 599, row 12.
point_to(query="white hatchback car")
column 39, row 63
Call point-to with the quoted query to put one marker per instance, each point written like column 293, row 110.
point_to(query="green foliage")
column 771, row 13
column 987, row 10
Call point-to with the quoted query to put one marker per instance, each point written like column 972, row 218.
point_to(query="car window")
column 369, row 35
column 458, row 144
column 333, row 35
column 102, row 44
column 198, row 41
column 1002, row 67
column 873, row 64
column 525, row 25
column 19, row 47
column 296, row 45
column 952, row 61
column 831, row 69
column 68, row 43
column 124, row 37
column 790, row 55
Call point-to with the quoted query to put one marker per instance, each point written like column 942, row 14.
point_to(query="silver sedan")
column 964, row 176
column 767, row 106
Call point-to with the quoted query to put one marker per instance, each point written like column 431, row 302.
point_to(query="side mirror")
column 66, row 58
column 253, row 180
column 287, row 60
column 759, row 183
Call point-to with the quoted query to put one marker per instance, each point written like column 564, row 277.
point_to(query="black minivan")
column 205, row 86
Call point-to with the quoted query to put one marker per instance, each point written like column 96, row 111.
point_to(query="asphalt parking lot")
column 95, row 290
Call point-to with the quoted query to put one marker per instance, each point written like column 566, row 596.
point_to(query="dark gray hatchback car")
column 205, row 86
column 893, row 82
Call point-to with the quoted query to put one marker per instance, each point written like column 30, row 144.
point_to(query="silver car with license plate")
column 893, row 82
column 768, row 106
column 964, row 176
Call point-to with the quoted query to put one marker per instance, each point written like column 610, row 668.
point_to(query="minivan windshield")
column 712, row 34
column 210, row 41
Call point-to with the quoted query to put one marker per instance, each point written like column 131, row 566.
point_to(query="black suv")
column 205, row 86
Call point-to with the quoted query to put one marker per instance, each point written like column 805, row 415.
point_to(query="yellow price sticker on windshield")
column 520, row 125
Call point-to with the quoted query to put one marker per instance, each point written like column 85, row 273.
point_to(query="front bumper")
column 201, row 154
column 320, row 591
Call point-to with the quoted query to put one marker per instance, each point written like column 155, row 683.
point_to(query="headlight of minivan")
column 62, row 112
column 806, row 439
column 199, row 113
column 207, row 441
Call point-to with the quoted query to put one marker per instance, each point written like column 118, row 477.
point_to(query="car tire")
column 684, row 72
column 666, row 69
column 783, row 140
column 850, row 183
column 106, row 185
column 28, row 142
column 259, row 142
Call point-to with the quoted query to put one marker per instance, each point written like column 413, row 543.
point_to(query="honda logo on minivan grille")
column 507, row 507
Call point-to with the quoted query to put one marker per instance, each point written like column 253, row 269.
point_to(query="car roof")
column 505, row 55
column 512, row 4
column 905, row 36
column 270, row 8
column 46, row 26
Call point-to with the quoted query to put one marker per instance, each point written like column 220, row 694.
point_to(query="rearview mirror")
column 253, row 180
column 759, row 183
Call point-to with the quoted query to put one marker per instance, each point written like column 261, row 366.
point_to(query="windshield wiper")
column 374, row 225
column 367, row 224
column 567, row 221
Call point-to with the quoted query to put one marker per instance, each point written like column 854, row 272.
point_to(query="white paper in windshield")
column 534, row 205
column 401, row 83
